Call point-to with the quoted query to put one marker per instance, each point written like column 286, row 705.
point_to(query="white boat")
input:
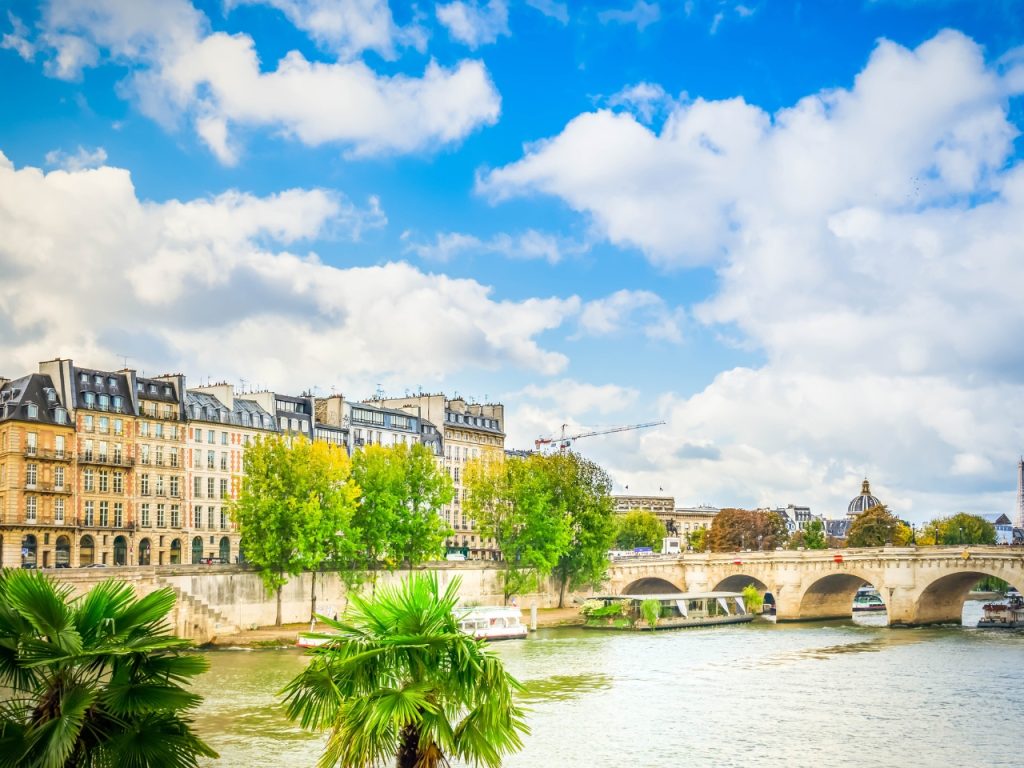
column 492, row 622
column 676, row 610
column 313, row 639
column 1008, row 615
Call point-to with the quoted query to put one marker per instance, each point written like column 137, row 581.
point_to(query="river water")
column 837, row 694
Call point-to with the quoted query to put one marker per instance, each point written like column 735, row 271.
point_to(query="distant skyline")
column 793, row 231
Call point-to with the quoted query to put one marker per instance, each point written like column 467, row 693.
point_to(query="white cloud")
column 17, row 39
column 530, row 244
column 645, row 100
column 867, row 244
column 82, row 158
column 626, row 308
column 217, row 82
column 641, row 14
column 552, row 9
column 347, row 27
column 472, row 23
column 220, row 286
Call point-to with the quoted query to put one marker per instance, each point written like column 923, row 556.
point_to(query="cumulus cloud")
column 866, row 243
column 645, row 100
column 347, row 27
column 626, row 308
column 224, row 286
column 215, row 80
column 530, row 244
column 472, row 23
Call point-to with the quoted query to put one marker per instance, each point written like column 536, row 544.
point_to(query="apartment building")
column 37, row 448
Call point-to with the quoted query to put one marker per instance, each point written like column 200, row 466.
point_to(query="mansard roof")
column 37, row 390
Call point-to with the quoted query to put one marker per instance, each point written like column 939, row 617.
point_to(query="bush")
column 651, row 612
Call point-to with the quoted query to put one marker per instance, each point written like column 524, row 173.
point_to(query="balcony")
column 32, row 452
column 111, row 461
column 47, row 488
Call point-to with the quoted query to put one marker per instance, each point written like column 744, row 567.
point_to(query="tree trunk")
column 312, row 597
column 561, row 590
column 408, row 749
column 277, row 621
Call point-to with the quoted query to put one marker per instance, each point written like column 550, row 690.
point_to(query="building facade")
column 678, row 521
column 467, row 431
column 37, row 475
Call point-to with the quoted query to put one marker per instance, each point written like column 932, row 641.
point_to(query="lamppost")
column 961, row 534
column 759, row 538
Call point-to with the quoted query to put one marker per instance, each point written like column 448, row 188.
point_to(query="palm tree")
column 94, row 681
column 399, row 681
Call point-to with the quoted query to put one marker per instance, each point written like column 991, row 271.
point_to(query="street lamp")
column 961, row 534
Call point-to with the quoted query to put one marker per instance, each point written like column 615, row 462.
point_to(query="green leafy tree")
column 734, row 529
column 698, row 540
column 583, row 489
column 651, row 611
column 295, row 509
column 812, row 536
column 515, row 503
column 401, row 682
column 752, row 598
column 639, row 528
column 875, row 527
column 420, row 532
column 961, row 528
column 93, row 681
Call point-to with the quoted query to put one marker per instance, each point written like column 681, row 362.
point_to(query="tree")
column 295, row 509
column 398, row 517
column 812, row 536
column 514, row 502
column 401, row 681
column 752, row 598
column 95, row 680
column 961, row 528
column 734, row 529
column 583, row 489
column 638, row 528
column 698, row 540
column 875, row 527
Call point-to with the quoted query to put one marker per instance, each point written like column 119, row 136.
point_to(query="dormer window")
column 60, row 415
column 89, row 398
column 32, row 410
column 167, row 391
column 140, row 387
column 104, row 401
column 51, row 395
column 152, row 389
column 97, row 380
column 118, row 403
column 84, row 378
column 112, row 383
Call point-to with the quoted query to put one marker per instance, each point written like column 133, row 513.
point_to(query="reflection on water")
column 849, row 694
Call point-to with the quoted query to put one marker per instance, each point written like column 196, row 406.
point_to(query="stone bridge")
column 919, row 585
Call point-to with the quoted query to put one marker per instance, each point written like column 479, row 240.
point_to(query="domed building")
column 862, row 502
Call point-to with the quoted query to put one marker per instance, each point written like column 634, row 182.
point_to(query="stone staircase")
column 196, row 620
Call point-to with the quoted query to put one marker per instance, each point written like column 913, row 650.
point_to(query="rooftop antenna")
column 241, row 383
column 126, row 359
column 379, row 394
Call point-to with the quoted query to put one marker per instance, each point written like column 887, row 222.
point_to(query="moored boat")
column 313, row 639
column 1008, row 615
column 868, row 601
column 675, row 610
column 492, row 622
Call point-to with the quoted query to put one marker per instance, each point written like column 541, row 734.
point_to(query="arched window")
column 86, row 551
column 145, row 552
column 197, row 549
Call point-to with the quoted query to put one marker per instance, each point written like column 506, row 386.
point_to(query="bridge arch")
column 737, row 583
column 831, row 596
column 942, row 600
column 650, row 585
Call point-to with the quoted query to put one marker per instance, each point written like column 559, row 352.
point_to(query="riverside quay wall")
column 221, row 600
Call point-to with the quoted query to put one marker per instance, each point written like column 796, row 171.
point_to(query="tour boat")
column 1008, row 615
column 492, row 622
column 868, row 601
column 677, row 610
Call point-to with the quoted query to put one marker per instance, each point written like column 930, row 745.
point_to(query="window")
column 30, row 509
column 90, row 511
column 118, row 482
column 89, row 399
column 210, row 487
column 144, row 484
column 88, row 481
column 97, row 380
column 175, row 516
column 104, row 514
column 104, row 424
column 118, row 514
column 31, row 474
column 118, row 404
column 87, row 422
column 117, row 453
column 210, row 460
column 224, row 460
column 175, row 487
column 58, row 511
column 199, row 435
column 197, row 458
column 118, row 426
column 159, row 485
column 197, row 517
column 209, row 517
column 161, row 521
column 223, row 518
column 104, row 481
column 158, row 455
column 103, row 401
column 158, row 431
column 144, row 429
column 223, row 488
column 210, row 436
column 173, row 456
column 223, row 438
column 60, row 415
column 102, row 451
column 144, row 454
column 145, row 516
column 58, row 478
column 197, row 487
column 59, row 446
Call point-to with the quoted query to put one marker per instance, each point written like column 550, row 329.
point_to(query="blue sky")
column 790, row 230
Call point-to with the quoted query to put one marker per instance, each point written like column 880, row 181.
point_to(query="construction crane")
column 565, row 441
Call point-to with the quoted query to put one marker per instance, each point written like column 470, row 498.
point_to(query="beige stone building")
column 678, row 521
column 468, row 431
column 37, row 449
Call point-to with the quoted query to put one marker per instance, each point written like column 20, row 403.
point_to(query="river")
column 837, row 694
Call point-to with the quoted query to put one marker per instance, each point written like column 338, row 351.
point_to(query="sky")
column 792, row 231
